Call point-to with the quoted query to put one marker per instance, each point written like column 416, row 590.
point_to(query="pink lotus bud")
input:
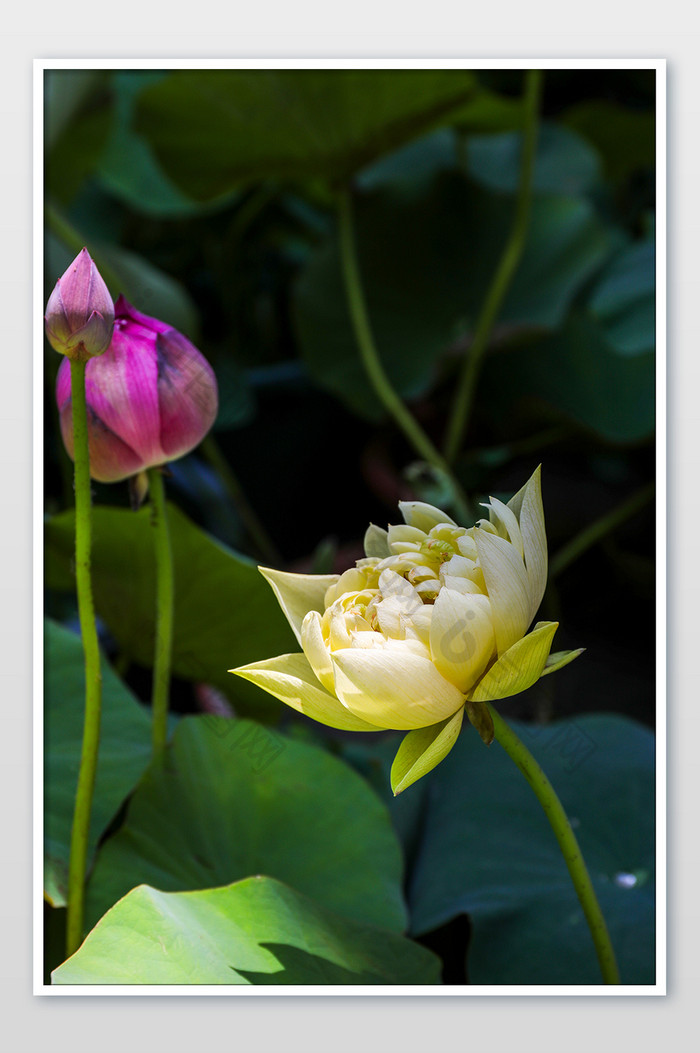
column 151, row 397
column 80, row 313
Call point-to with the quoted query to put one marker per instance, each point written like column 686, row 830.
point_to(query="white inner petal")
column 467, row 546
column 463, row 585
column 506, row 517
column 316, row 651
column 404, row 533
column 462, row 638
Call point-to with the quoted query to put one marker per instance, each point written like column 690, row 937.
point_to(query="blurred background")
column 209, row 199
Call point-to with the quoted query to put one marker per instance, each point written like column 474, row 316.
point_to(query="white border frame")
column 659, row 988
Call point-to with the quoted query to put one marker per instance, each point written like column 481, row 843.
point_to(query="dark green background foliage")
column 209, row 199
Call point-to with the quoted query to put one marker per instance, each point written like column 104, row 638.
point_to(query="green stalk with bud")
column 133, row 394
column 79, row 322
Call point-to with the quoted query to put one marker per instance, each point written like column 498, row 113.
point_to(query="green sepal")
column 519, row 667
column 480, row 718
column 559, row 659
column 422, row 750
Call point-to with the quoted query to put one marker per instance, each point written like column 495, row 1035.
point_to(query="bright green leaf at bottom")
column 257, row 931
column 233, row 798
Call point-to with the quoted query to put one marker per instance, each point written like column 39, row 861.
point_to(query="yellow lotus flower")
column 432, row 620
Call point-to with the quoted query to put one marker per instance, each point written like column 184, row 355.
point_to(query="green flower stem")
column 370, row 358
column 599, row 529
column 507, row 267
column 165, row 593
column 566, row 839
column 93, row 677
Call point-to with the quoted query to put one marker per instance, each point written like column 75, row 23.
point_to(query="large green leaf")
column 212, row 129
column 128, row 166
column 624, row 137
column 565, row 163
column 427, row 251
column 66, row 91
column 256, row 931
column 579, row 372
column 124, row 751
column 232, row 799
column 75, row 129
column 623, row 300
column 225, row 612
column 485, row 848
